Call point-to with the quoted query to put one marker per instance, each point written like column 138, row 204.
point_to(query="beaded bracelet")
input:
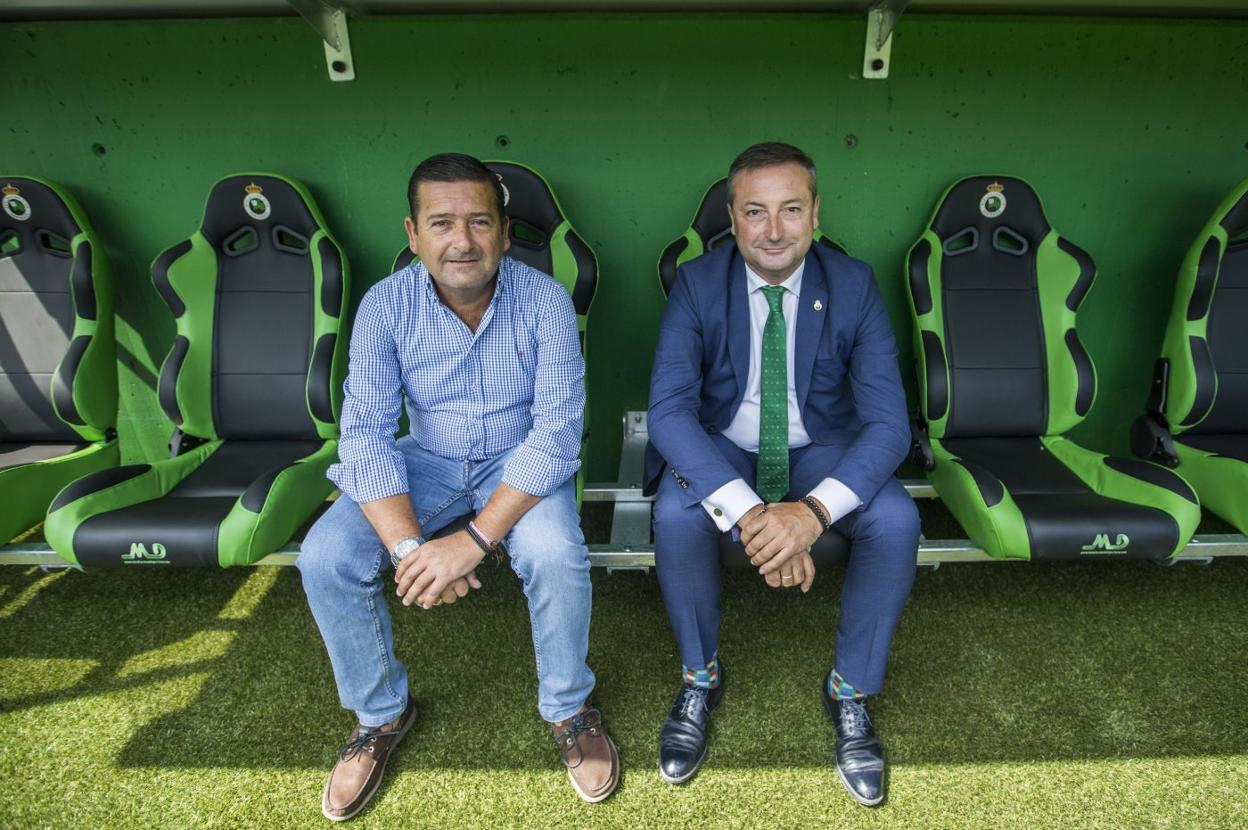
column 824, row 524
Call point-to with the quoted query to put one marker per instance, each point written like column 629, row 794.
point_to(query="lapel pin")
column 818, row 305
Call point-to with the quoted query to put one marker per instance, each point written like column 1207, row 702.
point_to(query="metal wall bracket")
column 330, row 22
column 882, row 19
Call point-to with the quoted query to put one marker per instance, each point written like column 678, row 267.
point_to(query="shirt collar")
column 425, row 282
column 793, row 284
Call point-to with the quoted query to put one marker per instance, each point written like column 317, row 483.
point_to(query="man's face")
column 773, row 218
column 458, row 234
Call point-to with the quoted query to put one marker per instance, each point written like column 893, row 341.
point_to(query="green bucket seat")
column 1197, row 413
column 58, row 374
column 543, row 238
column 253, row 384
column 1002, row 376
column 709, row 229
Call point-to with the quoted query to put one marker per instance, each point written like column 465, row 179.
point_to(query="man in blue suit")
column 776, row 413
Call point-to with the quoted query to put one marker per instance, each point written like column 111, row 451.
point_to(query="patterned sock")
column 706, row 678
column 841, row 689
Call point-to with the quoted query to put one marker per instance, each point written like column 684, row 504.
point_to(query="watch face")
column 407, row 545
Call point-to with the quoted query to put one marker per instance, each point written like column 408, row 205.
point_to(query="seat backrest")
column 58, row 375
column 710, row 229
column 258, row 292
column 994, row 292
column 541, row 236
column 1206, row 343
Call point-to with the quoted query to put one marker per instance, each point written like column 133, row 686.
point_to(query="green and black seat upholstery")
column 253, row 384
column 1002, row 376
column 1197, row 413
column 542, row 237
column 58, row 374
column 709, row 229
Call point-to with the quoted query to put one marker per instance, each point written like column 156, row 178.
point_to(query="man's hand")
column 439, row 571
column 797, row 572
column 775, row 535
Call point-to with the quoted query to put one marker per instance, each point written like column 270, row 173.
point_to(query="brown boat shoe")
column 589, row 754
column 361, row 765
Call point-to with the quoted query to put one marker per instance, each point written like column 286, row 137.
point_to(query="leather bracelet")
column 824, row 524
column 484, row 543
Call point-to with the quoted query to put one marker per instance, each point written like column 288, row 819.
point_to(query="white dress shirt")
column 732, row 501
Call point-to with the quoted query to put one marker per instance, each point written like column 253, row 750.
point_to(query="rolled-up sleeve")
column 370, row 466
column 549, row 454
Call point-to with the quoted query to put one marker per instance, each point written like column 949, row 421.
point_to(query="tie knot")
column 774, row 295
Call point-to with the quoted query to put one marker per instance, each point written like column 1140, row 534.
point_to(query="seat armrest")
column 1151, row 440
column 920, row 444
column 1156, row 403
column 181, row 442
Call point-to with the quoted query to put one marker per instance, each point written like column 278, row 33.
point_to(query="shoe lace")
column 366, row 740
column 854, row 716
column 693, row 699
column 586, row 723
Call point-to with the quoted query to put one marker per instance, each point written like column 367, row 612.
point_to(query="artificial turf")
column 1019, row 695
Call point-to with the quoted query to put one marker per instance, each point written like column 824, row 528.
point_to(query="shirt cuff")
column 836, row 498
column 371, row 478
column 537, row 473
column 729, row 503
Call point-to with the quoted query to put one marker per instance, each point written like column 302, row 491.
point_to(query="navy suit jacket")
column 845, row 366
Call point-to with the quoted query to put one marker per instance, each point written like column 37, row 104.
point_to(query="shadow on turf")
column 991, row 663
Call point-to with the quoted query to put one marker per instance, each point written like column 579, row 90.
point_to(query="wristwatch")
column 403, row 547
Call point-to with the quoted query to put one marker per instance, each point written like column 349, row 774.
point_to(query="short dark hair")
column 769, row 154
column 452, row 167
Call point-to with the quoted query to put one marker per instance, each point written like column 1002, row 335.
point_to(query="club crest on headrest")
column 255, row 203
column 992, row 204
column 506, row 192
column 15, row 205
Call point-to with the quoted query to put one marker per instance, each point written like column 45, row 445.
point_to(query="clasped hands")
column 440, row 571
column 777, row 539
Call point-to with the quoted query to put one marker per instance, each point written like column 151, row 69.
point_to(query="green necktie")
column 773, row 413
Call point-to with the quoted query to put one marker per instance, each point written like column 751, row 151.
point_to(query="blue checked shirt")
column 518, row 381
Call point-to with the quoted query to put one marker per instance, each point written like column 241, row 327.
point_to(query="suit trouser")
column 883, row 536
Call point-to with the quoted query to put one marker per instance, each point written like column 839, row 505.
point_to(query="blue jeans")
column 344, row 568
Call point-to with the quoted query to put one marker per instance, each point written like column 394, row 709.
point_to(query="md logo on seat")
column 139, row 555
column 1101, row 544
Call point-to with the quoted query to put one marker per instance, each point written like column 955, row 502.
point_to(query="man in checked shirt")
column 485, row 352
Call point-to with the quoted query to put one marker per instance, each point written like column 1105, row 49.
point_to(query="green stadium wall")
column 1131, row 130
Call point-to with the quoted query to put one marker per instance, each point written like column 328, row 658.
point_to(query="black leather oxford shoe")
column 859, row 753
column 682, row 740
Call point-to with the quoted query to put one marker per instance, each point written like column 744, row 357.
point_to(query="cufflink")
column 717, row 512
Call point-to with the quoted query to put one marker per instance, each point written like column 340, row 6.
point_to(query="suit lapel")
column 739, row 322
column 810, row 322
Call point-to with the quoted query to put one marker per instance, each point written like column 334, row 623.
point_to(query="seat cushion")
column 221, row 503
column 19, row 453
column 1048, row 498
column 32, row 474
column 1233, row 447
column 1217, row 468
